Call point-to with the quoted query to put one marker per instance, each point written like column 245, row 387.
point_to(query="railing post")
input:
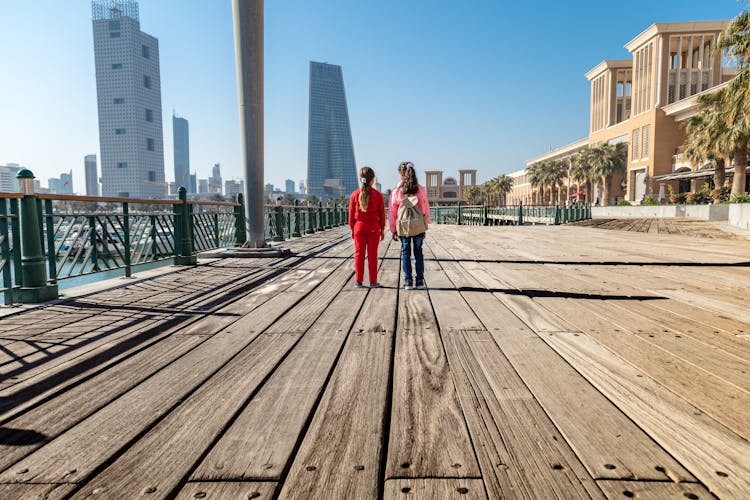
column 240, row 233
column 51, row 254
column 15, row 228
column 458, row 216
column 34, row 286
column 327, row 216
column 520, row 213
column 5, row 253
column 296, row 233
column 485, row 220
column 185, row 255
column 556, row 215
column 321, row 224
column 217, row 238
column 126, row 237
column 93, row 243
column 311, row 223
column 278, row 224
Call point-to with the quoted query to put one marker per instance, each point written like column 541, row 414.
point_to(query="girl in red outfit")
column 367, row 221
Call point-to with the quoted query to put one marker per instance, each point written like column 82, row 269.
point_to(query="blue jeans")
column 406, row 244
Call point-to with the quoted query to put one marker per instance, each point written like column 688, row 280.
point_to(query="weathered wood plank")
column 429, row 489
column 340, row 454
column 723, row 401
column 599, row 433
column 260, row 441
column 35, row 491
column 428, row 435
column 83, row 449
column 719, row 458
column 166, row 454
column 227, row 490
column 618, row 490
column 521, row 453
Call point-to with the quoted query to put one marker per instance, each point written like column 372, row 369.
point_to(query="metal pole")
column 34, row 286
column 248, row 42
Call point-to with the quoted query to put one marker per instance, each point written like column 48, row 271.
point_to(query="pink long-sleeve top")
column 395, row 202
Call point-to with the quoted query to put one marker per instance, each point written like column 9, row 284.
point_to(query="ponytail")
column 366, row 175
column 410, row 184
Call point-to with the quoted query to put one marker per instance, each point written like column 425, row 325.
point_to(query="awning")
column 697, row 174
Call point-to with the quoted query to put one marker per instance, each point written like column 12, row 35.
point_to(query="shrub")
column 623, row 203
column 701, row 196
column 649, row 201
column 740, row 198
column 676, row 197
column 721, row 195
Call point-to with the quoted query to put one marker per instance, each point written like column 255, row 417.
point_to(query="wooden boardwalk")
column 543, row 362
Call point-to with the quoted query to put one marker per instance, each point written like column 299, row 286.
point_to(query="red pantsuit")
column 367, row 226
column 366, row 238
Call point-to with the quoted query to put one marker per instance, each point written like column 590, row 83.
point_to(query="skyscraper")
column 181, row 133
column 331, row 168
column 92, row 178
column 214, row 182
column 128, row 88
column 289, row 184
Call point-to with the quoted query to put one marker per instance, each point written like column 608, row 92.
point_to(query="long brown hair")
column 366, row 175
column 410, row 185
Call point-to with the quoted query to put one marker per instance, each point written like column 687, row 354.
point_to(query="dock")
column 541, row 362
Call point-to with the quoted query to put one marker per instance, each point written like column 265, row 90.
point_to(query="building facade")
column 128, row 90
column 289, row 183
column 214, row 182
column 92, row 175
column 8, row 181
column 331, row 167
column 181, row 136
column 450, row 190
column 644, row 102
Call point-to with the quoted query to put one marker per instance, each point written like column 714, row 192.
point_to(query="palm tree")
column 472, row 194
column 582, row 171
column 556, row 172
column 537, row 179
column 734, row 42
column 608, row 161
column 705, row 133
column 504, row 185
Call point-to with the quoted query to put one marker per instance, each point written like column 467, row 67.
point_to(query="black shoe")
column 375, row 285
column 359, row 284
column 419, row 285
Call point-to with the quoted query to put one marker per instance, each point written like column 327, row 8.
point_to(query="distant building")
column 128, row 88
column 214, row 182
column 92, row 176
column 301, row 186
column 331, row 167
column 378, row 187
column 448, row 191
column 234, row 187
column 193, row 184
column 267, row 190
column 644, row 101
column 181, row 135
column 203, row 186
column 8, row 181
column 173, row 188
column 289, row 186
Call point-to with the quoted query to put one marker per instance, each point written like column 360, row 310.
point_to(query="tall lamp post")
column 248, row 43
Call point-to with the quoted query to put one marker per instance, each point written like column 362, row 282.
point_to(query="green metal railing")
column 80, row 236
column 10, row 257
column 291, row 221
column 519, row 215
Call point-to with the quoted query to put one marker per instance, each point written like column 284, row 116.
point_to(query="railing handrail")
column 11, row 195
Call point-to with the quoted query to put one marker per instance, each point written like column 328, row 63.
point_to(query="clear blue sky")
column 483, row 84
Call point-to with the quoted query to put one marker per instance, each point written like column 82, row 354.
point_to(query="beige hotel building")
column 645, row 101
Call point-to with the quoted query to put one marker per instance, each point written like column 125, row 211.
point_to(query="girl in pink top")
column 409, row 186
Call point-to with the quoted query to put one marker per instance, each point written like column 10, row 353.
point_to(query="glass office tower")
column 331, row 168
